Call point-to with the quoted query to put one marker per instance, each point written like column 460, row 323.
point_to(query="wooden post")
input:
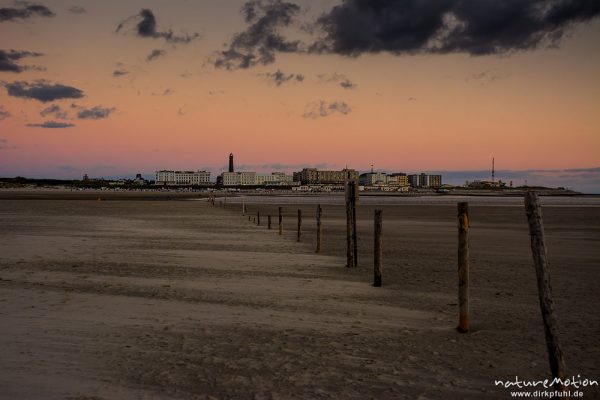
column 258, row 218
column 268, row 222
column 463, row 267
column 351, row 241
column 243, row 208
column 299, row 224
column 377, row 249
column 354, row 236
column 248, row 218
column 319, row 229
column 280, row 221
column 538, row 250
column 349, row 246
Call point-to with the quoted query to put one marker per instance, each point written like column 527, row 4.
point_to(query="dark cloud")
column 279, row 77
column 42, row 90
column 95, row 112
column 261, row 39
column 146, row 27
column 51, row 125
column 3, row 113
column 77, row 10
column 336, row 77
column 443, row 26
column 323, row 109
column 24, row 12
column 55, row 111
column 9, row 59
column 347, row 84
column 119, row 72
column 154, row 54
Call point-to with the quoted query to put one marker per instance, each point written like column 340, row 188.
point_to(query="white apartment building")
column 255, row 179
column 182, row 178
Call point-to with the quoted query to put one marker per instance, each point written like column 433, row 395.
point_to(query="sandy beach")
column 137, row 299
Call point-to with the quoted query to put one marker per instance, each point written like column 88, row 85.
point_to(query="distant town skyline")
column 119, row 88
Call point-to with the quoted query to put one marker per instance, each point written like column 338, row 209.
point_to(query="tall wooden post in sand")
column 299, row 224
column 538, row 250
column 268, row 222
column 463, row 267
column 351, row 242
column 280, row 221
column 258, row 218
column 377, row 249
column 319, row 229
column 243, row 208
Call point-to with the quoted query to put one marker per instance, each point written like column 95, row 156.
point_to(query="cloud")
column 119, row 72
column 155, row 54
column 336, row 77
column 347, row 84
column 323, row 109
column 261, row 39
column 8, row 60
column 52, row 125
column 24, row 12
column 474, row 27
column 146, row 28
column 77, row 10
column 279, row 77
column 487, row 76
column 42, row 90
column 3, row 113
column 96, row 112
column 55, row 111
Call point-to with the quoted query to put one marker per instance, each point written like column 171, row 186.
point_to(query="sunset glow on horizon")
column 157, row 99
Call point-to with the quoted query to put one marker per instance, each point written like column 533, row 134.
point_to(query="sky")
column 116, row 88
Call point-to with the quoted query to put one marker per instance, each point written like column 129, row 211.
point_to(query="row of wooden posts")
column 538, row 248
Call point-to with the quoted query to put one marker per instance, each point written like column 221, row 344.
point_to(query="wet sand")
column 177, row 299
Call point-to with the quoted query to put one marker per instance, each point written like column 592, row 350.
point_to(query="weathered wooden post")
column 351, row 240
column 463, row 267
column 349, row 246
column 299, row 224
column 280, row 221
column 319, row 228
column 248, row 218
column 377, row 249
column 538, row 250
column 243, row 208
column 258, row 218
column 268, row 222
column 354, row 236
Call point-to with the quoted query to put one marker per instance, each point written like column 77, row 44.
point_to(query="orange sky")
column 535, row 109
